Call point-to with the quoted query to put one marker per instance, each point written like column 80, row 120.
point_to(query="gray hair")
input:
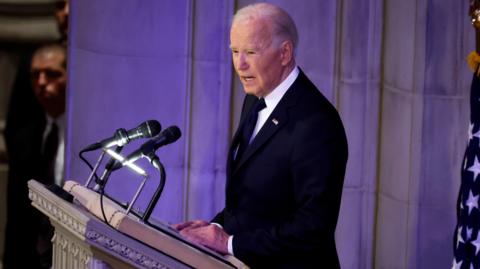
column 282, row 26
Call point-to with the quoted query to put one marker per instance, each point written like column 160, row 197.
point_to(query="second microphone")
column 167, row 136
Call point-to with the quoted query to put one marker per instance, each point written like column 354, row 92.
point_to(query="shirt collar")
column 60, row 121
column 272, row 99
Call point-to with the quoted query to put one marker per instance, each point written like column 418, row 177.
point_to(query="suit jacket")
column 283, row 197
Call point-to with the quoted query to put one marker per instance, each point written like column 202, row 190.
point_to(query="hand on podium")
column 205, row 233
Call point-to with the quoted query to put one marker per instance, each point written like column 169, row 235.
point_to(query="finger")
column 192, row 237
column 197, row 224
column 200, row 223
column 181, row 226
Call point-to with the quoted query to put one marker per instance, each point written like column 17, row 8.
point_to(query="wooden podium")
column 81, row 240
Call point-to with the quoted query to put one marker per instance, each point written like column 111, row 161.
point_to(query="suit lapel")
column 249, row 101
column 274, row 123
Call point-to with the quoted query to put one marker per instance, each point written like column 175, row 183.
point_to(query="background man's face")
column 255, row 58
column 49, row 81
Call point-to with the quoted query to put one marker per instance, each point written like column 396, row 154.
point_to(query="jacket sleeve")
column 218, row 218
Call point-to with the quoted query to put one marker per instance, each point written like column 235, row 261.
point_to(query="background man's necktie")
column 49, row 153
column 248, row 127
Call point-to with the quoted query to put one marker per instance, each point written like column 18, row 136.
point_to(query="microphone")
column 146, row 129
column 169, row 135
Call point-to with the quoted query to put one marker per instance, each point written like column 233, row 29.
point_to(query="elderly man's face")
column 257, row 61
column 49, row 81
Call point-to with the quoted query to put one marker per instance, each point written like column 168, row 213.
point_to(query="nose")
column 42, row 78
column 242, row 61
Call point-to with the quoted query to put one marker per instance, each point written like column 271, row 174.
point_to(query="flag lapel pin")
column 275, row 121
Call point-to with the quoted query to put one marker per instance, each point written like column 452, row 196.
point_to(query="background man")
column 35, row 150
column 287, row 161
column 27, row 232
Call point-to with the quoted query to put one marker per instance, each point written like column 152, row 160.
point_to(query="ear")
column 286, row 52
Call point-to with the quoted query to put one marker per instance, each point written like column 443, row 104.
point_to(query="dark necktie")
column 49, row 153
column 248, row 127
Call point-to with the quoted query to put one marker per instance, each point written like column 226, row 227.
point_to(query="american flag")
column 467, row 233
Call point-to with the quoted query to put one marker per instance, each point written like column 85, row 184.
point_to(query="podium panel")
column 81, row 240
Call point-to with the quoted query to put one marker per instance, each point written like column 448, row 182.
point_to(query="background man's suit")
column 283, row 196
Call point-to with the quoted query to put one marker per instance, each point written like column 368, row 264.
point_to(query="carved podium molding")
column 69, row 252
column 124, row 251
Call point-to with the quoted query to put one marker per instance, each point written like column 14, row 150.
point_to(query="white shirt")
column 59, row 158
column 271, row 100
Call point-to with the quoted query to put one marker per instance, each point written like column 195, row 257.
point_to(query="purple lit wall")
column 395, row 70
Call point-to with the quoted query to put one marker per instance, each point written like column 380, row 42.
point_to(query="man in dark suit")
column 27, row 231
column 35, row 149
column 285, row 170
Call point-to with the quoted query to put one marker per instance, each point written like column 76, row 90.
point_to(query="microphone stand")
column 155, row 161
column 94, row 169
column 102, row 181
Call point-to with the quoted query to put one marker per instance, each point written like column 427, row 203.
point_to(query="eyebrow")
column 247, row 49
